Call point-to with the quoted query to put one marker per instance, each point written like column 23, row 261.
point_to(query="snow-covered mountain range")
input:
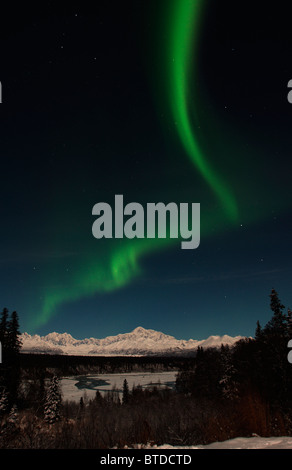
column 139, row 342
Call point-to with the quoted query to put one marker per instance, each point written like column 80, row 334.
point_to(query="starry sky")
column 160, row 101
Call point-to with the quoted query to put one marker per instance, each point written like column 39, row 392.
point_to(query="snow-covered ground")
column 73, row 388
column 256, row 442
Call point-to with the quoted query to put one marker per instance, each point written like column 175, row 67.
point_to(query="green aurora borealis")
column 120, row 263
column 184, row 29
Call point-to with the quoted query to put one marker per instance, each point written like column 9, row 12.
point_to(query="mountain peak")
column 143, row 331
column 139, row 329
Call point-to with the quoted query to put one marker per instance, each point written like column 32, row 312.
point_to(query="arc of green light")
column 111, row 272
column 121, row 266
column 116, row 270
column 185, row 19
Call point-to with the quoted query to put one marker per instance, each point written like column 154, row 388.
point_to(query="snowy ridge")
column 138, row 342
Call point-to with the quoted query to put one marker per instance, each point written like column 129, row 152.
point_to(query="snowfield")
column 256, row 442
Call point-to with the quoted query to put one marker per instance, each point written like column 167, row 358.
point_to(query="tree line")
column 252, row 379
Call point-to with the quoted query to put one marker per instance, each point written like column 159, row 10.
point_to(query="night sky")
column 160, row 101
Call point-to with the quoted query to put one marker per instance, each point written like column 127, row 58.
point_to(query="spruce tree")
column 273, row 352
column 125, row 392
column 289, row 323
column 277, row 326
column 53, row 401
column 13, row 345
column 10, row 369
column 13, row 335
column 258, row 331
column 4, row 329
column 81, row 404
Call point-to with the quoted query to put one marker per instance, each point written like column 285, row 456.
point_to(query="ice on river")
column 73, row 388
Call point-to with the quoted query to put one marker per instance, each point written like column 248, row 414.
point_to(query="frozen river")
column 73, row 388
